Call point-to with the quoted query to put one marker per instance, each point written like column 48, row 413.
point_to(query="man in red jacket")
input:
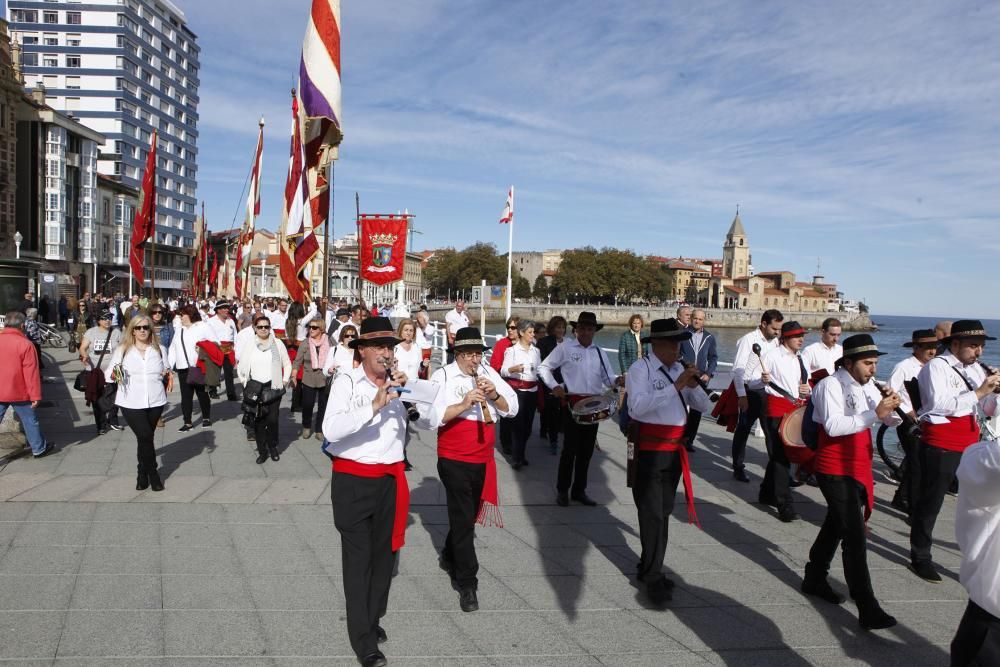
column 20, row 381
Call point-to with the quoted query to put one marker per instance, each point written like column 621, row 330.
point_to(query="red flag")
column 296, row 241
column 144, row 224
column 383, row 249
column 508, row 210
column 214, row 273
column 253, row 210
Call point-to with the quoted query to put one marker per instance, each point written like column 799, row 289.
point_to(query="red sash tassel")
column 349, row 467
column 471, row 441
column 849, row 456
column 668, row 438
column 955, row 436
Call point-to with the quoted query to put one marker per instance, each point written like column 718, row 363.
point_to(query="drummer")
column 586, row 371
column 845, row 406
column 660, row 391
column 787, row 389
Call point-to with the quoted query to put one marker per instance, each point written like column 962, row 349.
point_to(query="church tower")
column 736, row 251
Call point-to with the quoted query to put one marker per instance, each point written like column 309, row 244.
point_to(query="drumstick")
column 487, row 415
column 778, row 388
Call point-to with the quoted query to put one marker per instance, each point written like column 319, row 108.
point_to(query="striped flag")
column 144, row 223
column 253, row 210
column 296, row 227
column 508, row 210
column 319, row 83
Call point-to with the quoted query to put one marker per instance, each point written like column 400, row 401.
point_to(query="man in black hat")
column 471, row 398
column 586, row 372
column 364, row 427
column 924, row 344
column 955, row 393
column 787, row 388
column 224, row 328
column 340, row 319
column 660, row 391
column 845, row 406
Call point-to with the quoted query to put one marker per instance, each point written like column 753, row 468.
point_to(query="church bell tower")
column 736, row 251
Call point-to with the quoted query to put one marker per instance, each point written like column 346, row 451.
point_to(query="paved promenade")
column 239, row 564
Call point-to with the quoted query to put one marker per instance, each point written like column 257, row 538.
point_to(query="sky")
column 860, row 136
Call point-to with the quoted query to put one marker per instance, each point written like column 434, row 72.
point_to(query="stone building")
column 687, row 280
column 533, row 263
column 116, row 211
column 14, row 271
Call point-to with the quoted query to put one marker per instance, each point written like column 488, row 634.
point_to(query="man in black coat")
column 700, row 351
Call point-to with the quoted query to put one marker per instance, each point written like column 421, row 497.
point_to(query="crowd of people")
column 349, row 372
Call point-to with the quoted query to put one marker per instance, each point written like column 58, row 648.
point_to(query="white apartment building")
column 124, row 68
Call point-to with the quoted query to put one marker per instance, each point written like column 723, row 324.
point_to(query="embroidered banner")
column 383, row 249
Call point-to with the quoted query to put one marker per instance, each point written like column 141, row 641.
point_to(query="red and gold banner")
column 383, row 249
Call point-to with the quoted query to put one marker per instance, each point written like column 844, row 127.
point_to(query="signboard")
column 48, row 278
column 497, row 297
column 476, row 296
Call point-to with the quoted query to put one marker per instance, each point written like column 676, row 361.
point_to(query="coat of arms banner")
column 383, row 249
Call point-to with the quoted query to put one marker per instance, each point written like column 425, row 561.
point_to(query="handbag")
column 269, row 396
column 80, row 383
column 252, row 392
column 106, row 401
column 92, row 379
column 195, row 376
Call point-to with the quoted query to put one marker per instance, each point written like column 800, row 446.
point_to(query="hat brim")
column 380, row 340
column 920, row 341
column 667, row 335
column 597, row 325
column 862, row 355
column 948, row 339
column 471, row 346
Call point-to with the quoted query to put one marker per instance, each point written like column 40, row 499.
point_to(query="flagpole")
column 326, row 240
column 510, row 252
column 361, row 281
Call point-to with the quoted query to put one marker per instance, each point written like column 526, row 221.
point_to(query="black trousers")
column 187, row 397
column 977, row 641
column 227, row 372
column 363, row 512
column 844, row 523
column 552, row 418
column 266, row 426
column 691, row 426
column 522, row 423
column 656, row 477
column 310, row 397
column 578, row 449
column 101, row 417
column 463, row 485
column 937, row 472
column 778, row 475
column 505, row 430
column 143, row 421
column 909, row 469
column 743, row 428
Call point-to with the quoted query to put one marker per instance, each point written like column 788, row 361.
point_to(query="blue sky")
column 863, row 134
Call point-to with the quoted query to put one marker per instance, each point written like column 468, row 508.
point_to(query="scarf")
column 317, row 353
column 276, row 374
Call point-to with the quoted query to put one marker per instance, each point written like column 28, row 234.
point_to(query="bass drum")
column 790, row 431
column 594, row 409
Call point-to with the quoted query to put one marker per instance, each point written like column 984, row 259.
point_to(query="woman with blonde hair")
column 139, row 366
column 311, row 358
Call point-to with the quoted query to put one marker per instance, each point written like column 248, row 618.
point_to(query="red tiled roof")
column 775, row 292
column 736, row 290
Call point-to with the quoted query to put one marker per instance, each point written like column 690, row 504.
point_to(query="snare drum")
column 790, row 431
column 594, row 409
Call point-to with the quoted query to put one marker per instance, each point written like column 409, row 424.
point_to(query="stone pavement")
column 237, row 563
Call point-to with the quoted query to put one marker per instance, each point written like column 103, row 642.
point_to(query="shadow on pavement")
column 176, row 453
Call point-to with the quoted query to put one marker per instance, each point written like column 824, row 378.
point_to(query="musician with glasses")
column 586, row 371
column 471, row 398
column 956, row 394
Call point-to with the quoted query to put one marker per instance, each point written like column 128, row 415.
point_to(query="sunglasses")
column 315, row 327
column 263, row 327
column 512, row 327
column 141, row 327
column 350, row 336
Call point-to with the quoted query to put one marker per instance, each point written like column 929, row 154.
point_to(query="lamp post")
column 262, row 256
column 17, row 244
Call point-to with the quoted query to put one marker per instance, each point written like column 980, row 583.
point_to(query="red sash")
column 523, row 385
column 955, row 436
column 667, row 438
column 471, row 441
column 850, row 456
column 349, row 467
column 778, row 406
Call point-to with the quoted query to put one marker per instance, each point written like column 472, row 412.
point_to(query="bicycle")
column 890, row 450
column 50, row 336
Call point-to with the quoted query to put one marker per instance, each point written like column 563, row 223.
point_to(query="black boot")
column 142, row 482
column 871, row 616
column 154, row 481
column 815, row 583
column 273, row 449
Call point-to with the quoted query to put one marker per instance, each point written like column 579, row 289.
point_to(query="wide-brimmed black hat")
column 587, row 317
column 668, row 329
column 967, row 329
column 791, row 329
column 375, row 331
column 223, row 304
column 467, row 337
column 860, row 346
column 921, row 336
column 105, row 315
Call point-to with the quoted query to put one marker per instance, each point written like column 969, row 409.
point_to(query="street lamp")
column 262, row 256
column 17, row 244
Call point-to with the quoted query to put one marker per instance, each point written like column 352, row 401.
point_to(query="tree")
column 453, row 270
column 540, row 290
column 520, row 285
column 577, row 275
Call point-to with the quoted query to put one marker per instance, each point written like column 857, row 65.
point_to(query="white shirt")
column 143, row 387
column 257, row 364
column 582, row 369
column 245, row 336
column 225, row 331
column 905, row 370
column 353, row 430
column 842, row 406
column 818, row 355
column 944, row 394
column 455, row 385
column 977, row 524
column 278, row 320
column 653, row 397
column 422, row 341
column 342, row 358
column 185, row 341
column 529, row 358
column 746, row 366
column 783, row 365
column 408, row 361
column 456, row 320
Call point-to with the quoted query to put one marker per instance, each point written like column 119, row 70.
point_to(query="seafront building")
column 123, row 68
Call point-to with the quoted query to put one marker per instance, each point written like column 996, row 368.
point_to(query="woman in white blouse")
column 409, row 360
column 266, row 361
column 139, row 367
column 520, row 370
column 342, row 357
column 183, row 355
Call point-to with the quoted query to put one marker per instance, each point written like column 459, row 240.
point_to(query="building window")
column 29, row 59
column 73, row 40
column 50, row 60
column 72, row 61
column 29, row 39
column 73, row 82
column 74, row 18
column 24, row 16
column 50, row 39
column 50, row 17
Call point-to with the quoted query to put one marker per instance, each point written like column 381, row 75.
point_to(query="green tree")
column 577, row 278
column 520, row 285
column 540, row 290
column 456, row 270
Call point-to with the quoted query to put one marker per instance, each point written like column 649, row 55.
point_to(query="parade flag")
column 253, row 210
column 144, row 223
column 383, row 249
column 295, row 228
column 508, row 210
column 319, row 88
column 213, row 274
column 198, row 270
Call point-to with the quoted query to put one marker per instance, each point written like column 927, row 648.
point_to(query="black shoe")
column 795, row 483
column 740, row 475
column 213, row 394
column 380, row 633
column 101, row 430
column 376, row 659
column 142, row 482
column 787, row 514
column 117, row 427
column 562, row 500
column 154, row 481
column 925, row 570
column 659, row 593
column 206, row 422
column 821, row 588
column 274, row 453
column 49, row 448
column 871, row 616
column 584, row 499
column 468, row 600
column 186, row 427
column 767, row 500
column 516, row 466
column 261, row 457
